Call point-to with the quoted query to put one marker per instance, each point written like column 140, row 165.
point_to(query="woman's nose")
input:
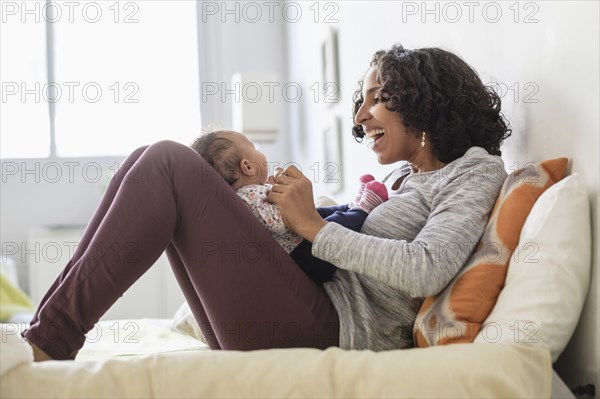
column 362, row 115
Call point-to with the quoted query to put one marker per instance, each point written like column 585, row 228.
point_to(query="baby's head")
column 233, row 156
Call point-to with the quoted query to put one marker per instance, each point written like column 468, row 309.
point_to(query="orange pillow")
column 456, row 314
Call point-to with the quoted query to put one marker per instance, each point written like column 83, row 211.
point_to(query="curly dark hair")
column 220, row 153
column 435, row 91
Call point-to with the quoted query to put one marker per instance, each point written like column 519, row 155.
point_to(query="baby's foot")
column 375, row 193
column 364, row 179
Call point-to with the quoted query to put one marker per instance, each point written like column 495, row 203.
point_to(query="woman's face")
column 390, row 139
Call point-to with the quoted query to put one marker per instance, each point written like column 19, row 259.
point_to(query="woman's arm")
column 426, row 265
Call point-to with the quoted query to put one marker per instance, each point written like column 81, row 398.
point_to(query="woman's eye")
column 376, row 100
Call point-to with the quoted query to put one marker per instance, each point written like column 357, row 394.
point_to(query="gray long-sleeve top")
column 409, row 247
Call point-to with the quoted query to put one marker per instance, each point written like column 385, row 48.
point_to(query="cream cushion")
column 549, row 273
column 486, row 371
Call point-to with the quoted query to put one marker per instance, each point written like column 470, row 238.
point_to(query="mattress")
column 144, row 358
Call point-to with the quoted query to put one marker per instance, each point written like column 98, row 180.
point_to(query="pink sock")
column 375, row 193
column 364, row 179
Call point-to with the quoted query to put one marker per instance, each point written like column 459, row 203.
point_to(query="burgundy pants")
column 243, row 288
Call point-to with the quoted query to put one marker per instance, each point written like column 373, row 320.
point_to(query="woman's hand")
column 292, row 192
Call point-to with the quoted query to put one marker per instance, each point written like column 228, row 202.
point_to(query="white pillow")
column 548, row 276
column 324, row 200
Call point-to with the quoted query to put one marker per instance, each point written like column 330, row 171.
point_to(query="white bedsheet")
column 135, row 337
column 13, row 351
column 188, row 370
column 559, row 389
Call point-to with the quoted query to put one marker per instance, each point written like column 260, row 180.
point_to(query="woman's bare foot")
column 38, row 354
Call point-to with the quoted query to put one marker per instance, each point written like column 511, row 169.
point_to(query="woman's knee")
column 135, row 154
column 169, row 146
column 173, row 153
column 174, row 149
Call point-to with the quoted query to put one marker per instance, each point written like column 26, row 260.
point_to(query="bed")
column 145, row 358
column 167, row 358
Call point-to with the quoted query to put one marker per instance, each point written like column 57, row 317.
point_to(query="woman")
column 425, row 106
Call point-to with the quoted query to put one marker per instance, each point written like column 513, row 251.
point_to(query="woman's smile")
column 374, row 136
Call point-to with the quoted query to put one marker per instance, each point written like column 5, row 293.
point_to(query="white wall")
column 237, row 39
column 37, row 192
column 557, row 57
column 66, row 192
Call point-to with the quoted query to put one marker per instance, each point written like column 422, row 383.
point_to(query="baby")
column 245, row 169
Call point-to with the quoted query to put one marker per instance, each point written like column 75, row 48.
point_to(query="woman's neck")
column 425, row 161
column 426, row 166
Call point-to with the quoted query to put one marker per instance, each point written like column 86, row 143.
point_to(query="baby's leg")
column 363, row 180
column 375, row 194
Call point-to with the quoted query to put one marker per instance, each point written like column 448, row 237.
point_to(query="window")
column 120, row 74
column 24, row 119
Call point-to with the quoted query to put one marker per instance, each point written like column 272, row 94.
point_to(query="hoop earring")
column 423, row 140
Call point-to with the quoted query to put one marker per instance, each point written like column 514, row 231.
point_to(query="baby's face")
column 257, row 159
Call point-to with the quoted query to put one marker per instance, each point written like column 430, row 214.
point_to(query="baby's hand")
column 272, row 179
